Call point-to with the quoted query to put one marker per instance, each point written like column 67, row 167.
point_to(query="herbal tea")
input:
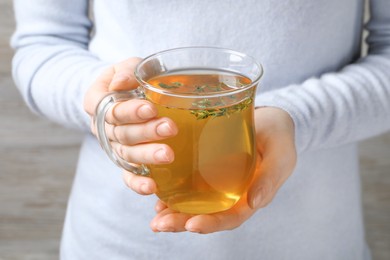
column 214, row 150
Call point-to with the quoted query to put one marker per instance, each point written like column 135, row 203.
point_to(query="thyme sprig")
column 210, row 88
column 203, row 106
column 212, row 112
column 173, row 85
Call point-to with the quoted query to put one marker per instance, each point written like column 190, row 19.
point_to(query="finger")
column 169, row 221
column 132, row 134
column 149, row 153
column 160, row 206
column 131, row 111
column 140, row 184
column 226, row 220
column 274, row 170
column 266, row 184
column 124, row 78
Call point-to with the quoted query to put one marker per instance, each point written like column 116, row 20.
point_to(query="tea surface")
column 199, row 82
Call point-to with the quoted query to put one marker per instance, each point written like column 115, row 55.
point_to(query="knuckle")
column 125, row 153
column 120, row 150
column 119, row 135
column 150, row 130
column 146, row 133
column 113, row 116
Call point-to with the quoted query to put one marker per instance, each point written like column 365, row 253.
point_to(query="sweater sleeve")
column 344, row 106
column 52, row 66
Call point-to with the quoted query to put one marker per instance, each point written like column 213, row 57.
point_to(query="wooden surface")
column 37, row 161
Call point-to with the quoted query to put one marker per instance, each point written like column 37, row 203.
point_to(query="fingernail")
column 146, row 112
column 162, row 155
column 189, row 228
column 166, row 229
column 153, row 226
column 194, row 230
column 164, row 129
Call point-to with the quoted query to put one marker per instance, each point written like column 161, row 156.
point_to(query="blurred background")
column 38, row 158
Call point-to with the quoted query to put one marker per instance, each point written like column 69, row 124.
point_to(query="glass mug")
column 209, row 93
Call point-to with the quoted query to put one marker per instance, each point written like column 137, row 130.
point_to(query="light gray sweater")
column 310, row 52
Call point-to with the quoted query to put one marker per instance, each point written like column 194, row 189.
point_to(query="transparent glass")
column 209, row 93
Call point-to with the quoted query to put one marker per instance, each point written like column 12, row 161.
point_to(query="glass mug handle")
column 99, row 121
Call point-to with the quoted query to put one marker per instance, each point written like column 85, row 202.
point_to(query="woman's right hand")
column 132, row 126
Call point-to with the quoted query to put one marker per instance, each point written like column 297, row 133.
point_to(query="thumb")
column 264, row 187
column 124, row 78
column 271, row 175
column 276, row 147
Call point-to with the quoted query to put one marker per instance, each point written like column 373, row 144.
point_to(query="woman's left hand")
column 277, row 159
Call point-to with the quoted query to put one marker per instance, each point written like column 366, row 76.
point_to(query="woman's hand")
column 277, row 158
column 132, row 126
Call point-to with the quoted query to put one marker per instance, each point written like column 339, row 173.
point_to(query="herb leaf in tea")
column 166, row 86
column 226, row 111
